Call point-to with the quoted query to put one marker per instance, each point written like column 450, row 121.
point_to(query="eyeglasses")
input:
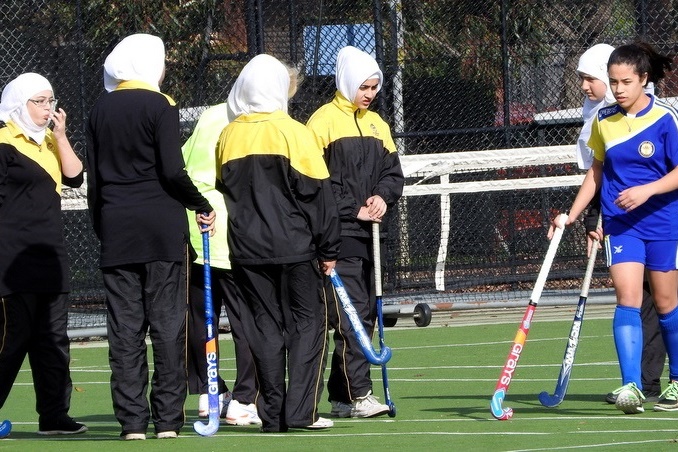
column 43, row 101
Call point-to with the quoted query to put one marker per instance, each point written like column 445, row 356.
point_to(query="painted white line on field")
column 563, row 338
column 603, row 363
column 586, row 446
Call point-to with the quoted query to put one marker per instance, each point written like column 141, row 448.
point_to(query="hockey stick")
column 376, row 252
column 358, row 328
column 5, row 428
column 519, row 341
column 573, row 341
column 210, row 351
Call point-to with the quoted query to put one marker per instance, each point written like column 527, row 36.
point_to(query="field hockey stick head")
column 498, row 411
column 208, row 429
column 5, row 428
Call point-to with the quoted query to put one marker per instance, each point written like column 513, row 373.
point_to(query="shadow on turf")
column 534, row 406
column 107, row 424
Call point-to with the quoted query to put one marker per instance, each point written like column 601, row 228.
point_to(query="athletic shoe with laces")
column 62, row 425
column 341, row 409
column 650, row 397
column 668, row 401
column 629, row 399
column 204, row 408
column 368, row 406
column 241, row 414
column 320, row 424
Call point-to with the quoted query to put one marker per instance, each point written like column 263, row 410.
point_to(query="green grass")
column 441, row 378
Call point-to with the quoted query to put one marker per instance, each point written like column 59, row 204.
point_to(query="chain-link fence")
column 460, row 76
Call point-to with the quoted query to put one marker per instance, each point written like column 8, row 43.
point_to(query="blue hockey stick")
column 357, row 325
column 210, row 350
column 573, row 341
column 376, row 251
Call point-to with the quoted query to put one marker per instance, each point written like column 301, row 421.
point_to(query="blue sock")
column 628, row 339
column 668, row 323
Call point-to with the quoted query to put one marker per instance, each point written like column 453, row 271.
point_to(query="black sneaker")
column 61, row 426
column 652, row 396
column 611, row 398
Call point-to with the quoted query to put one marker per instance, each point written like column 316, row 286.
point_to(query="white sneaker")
column 134, row 436
column 368, row 406
column 167, row 435
column 320, row 424
column 341, row 409
column 239, row 414
column 629, row 399
column 203, row 403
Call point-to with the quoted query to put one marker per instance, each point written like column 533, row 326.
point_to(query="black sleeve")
column 591, row 218
column 171, row 167
column 73, row 182
column 93, row 195
column 3, row 172
column 391, row 179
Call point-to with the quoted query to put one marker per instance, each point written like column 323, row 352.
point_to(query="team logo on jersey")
column 375, row 131
column 646, row 149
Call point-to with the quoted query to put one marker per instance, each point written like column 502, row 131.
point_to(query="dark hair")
column 644, row 59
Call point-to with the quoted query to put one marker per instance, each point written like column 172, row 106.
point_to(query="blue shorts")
column 656, row 255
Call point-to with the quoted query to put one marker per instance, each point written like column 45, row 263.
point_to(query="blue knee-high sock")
column 668, row 323
column 628, row 339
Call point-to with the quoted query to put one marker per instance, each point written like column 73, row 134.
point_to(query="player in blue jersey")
column 635, row 154
column 592, row 71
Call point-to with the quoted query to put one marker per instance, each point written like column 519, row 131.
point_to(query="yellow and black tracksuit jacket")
column 33, row 257
column 277, row 191
column 361, row 157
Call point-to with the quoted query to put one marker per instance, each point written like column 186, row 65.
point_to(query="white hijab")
column 594, row 63
column 13, row 105
column 137, row 57
column 261, row 87
column 354, row 67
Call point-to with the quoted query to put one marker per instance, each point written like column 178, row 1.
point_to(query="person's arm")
column 93, row 195
column 170, row 163
column 587, row 191
column 389, row 187
column 71, row 165
column 634, row 197
column 3, row 172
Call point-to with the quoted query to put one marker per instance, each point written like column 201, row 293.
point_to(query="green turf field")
column 441, row 377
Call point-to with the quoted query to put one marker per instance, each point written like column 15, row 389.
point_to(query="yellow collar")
column 138, row 84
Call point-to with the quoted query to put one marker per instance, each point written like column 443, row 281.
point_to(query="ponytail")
column 643, row 58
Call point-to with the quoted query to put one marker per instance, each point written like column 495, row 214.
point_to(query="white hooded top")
column 137, row 57
column 593, row 62
column 13, row 105
column 354, row 67
column 261, row 87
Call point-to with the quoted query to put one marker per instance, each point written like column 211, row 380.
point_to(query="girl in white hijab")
column 367, row 180
column 592, row 70
column 27, row 101
column 261, row 87
column 34, row 276
column 139, row 57
column 353, row 68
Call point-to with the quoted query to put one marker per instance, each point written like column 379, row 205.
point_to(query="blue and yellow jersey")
column 637, row 150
